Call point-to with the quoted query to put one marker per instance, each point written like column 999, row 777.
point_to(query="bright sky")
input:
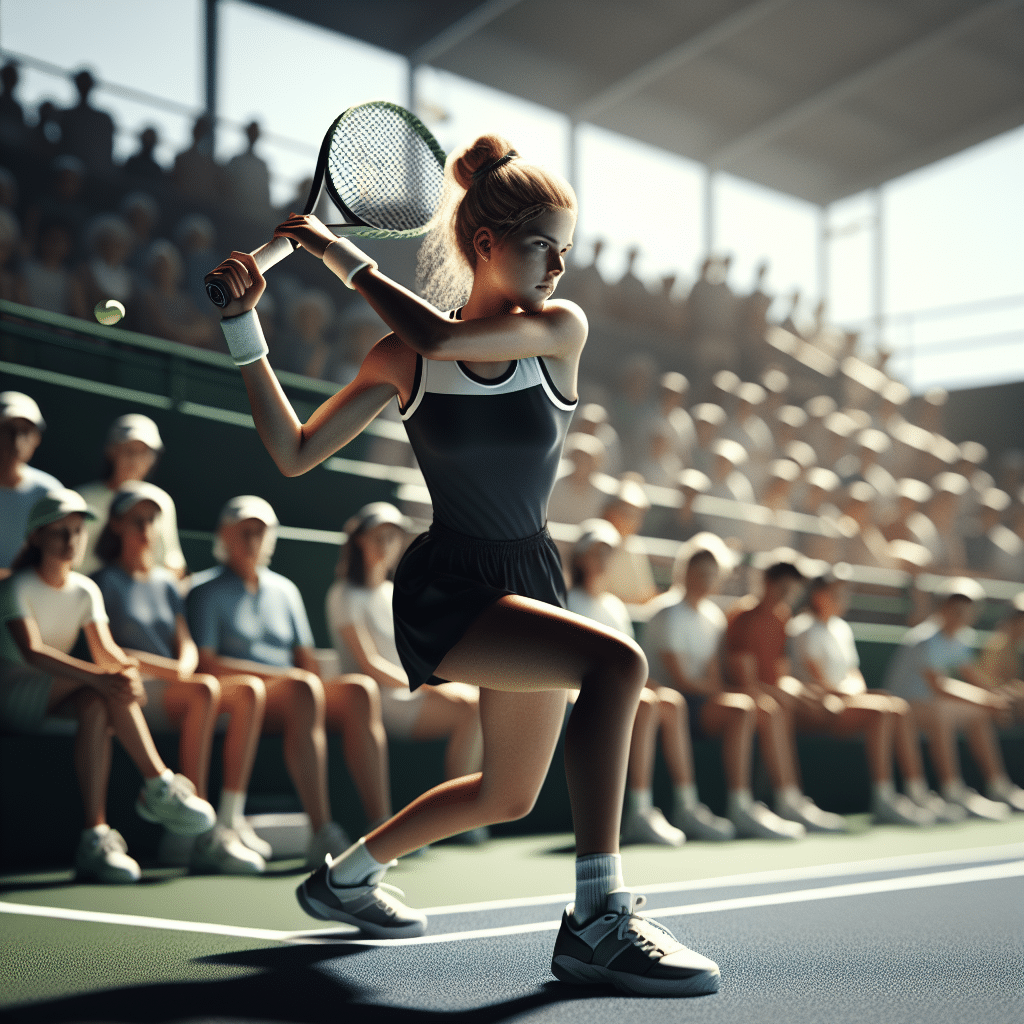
column 953, row 232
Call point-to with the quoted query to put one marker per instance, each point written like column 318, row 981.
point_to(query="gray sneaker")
column 221, row 852
column 978, row 806
column 104, row 858
column 701, row 823
column 173, row 803
column 944, row 812
column 372, row 907
column 649, row 827
column 899, row 810
column 758, row 822
column 810, row 815
column 633, row 953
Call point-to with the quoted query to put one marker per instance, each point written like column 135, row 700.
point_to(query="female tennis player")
column 486, row 392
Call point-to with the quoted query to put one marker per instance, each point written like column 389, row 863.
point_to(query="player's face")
column 527, row 264
column 64, row 540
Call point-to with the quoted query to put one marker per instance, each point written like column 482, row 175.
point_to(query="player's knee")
column 625, row 661
column 514, row 804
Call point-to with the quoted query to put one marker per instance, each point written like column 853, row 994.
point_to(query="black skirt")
column 446, row 579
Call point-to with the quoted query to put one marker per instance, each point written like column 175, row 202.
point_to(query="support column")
column 824, row 253
column 709, row 210
column 410, row 85
column 211, row 69
column 878, row 266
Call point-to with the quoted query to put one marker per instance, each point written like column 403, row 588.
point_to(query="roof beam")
column 839, row 91
column 673, row 59
column 459, row 31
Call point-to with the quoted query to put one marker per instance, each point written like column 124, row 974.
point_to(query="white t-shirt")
column 605, row 608
column 629, row 575
column 166, row 548
column 60, row 614
column 348, row 604
column 830, row 645
column 692, row 634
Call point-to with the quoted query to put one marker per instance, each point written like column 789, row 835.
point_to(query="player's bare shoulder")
column 569, row 322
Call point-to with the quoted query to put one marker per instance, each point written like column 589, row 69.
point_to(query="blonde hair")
column 486, row 184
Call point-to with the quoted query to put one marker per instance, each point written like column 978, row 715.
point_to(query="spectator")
column 628, row 299
column 755, row 653
column 833, row 698
column 195, row 236
column 247, row 619
column 708, row 420
column 133, row 447
column 633, row 404
column 995, row 550
column 921, row 673
column 45, row 280
column 629, row 574
column 358, row 612
column 8, row 191
column 748, row 429
column 686, row 522
column 948, row 493
column 141, row 212
column 682, row 642
column 247, row 179
column 62, row 202
column 660, row 464
column 593, row 419
column 303, row 348
column 147, row 620
column 772, row 528
column 196, row 175
column 142, row 165
column 106, row 275
column 44, row 137
column 576, row 496
column 1002, row 661
column 88, row 133
column 43, row 608
column 12, row 117
column 167, row 311
column 788, row 424
column 21, row 485
column 10, row 238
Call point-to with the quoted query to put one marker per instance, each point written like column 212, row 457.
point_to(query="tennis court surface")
column 879, row 925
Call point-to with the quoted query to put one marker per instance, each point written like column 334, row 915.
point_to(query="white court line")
column 906, row 862
column 990, row 872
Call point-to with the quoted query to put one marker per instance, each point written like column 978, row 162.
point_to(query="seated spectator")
column 196, row 175
column 576, row 496
column 864, row 465
column 196, row 236
column 593, row 419
column 10, row 243
column 1002, row 661
column 147, row 620
column 833, row 698
column 708, row 420
column 46, row 282
column 12, row 117
column 303, row 346
column 247, row 619
column 921, row 672
column 133, row 447
column 629, row 574
column 788, row 423
column 755, row 655
column 62, row 202
column 8, row 191
column 682, row 642
column 748, row 429
column 686, row 522
column 358, row 611
column 44, row 137
column 948, row 493
column 88, row 133
column 167, row 311
column 633, row 403
column 247, row 179
column 670, row 415
column 142, row 165
column 861, row 543
column 141, row 212
column 660, row 464
column 106, row 274
column 44, row 606
column 995, row 549
column 771, row 530
column 21, row 485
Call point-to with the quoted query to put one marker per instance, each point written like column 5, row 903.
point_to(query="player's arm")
column 558, row 331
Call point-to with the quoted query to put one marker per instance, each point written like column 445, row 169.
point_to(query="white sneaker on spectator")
column 221, row 852
column 899, row 810
column 248, row 835
column 171, row 801
column 103, row 857
column 701, row 823
column 1007, row 792
column 975, row 804
column 758, row 822
column 944, row 812
column 329, row 841
column 649, row 826
column 805, row 811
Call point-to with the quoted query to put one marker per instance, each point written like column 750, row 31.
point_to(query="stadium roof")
column 816, row 98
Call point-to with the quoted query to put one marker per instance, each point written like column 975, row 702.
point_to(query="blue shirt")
column 927, row 647
column 142, row 613
column 15, row 505
column 264, row 627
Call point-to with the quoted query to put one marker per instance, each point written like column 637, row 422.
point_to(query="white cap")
column 133, row 426
column 374, row 514
column 16, row 406
column 596, row 531
column 961, row 586
column 247, row 506
column 132, row 492
column 726, row 448
column 54, row 505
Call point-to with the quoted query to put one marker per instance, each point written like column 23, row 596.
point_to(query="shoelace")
column 113, row 842
column 641, row 927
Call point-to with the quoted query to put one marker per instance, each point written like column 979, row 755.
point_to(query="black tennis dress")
column 489, row 452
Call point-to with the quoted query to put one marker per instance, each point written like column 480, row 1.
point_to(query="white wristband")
column 244, row 336
column 345, row 260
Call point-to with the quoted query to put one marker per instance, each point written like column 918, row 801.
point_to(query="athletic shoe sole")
column 575, row 972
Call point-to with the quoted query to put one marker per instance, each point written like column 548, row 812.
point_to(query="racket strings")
column 383, row 170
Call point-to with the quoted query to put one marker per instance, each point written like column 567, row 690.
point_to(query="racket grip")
column 266, row 256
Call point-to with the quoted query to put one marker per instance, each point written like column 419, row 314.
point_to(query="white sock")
column 740, row 800
column 790, row 796
column 97, row 830
column 916, row 789
column 597, row 874
column 953, row 791
column 999, row 785
column 357, row 866
column 166, row 777
column 639, row 800
column 231, row 807
column 883, row 791
column 687, row 797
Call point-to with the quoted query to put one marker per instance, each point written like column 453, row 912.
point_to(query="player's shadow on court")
column 290, row 987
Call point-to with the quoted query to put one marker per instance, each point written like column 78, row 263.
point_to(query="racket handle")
column 266, row 256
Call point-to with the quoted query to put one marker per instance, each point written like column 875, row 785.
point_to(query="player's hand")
column 242, row 280
column 308, row 231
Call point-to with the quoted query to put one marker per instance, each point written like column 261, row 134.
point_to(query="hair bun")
column 485, row 150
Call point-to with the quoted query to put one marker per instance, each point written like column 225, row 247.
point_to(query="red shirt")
column 759, row 632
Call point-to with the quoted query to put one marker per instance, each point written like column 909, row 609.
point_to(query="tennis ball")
column 109, row 311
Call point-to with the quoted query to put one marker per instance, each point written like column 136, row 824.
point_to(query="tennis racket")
column 379, row 175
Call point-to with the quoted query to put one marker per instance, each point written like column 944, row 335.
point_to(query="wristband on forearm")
column 345, row 260
column 244, row 336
